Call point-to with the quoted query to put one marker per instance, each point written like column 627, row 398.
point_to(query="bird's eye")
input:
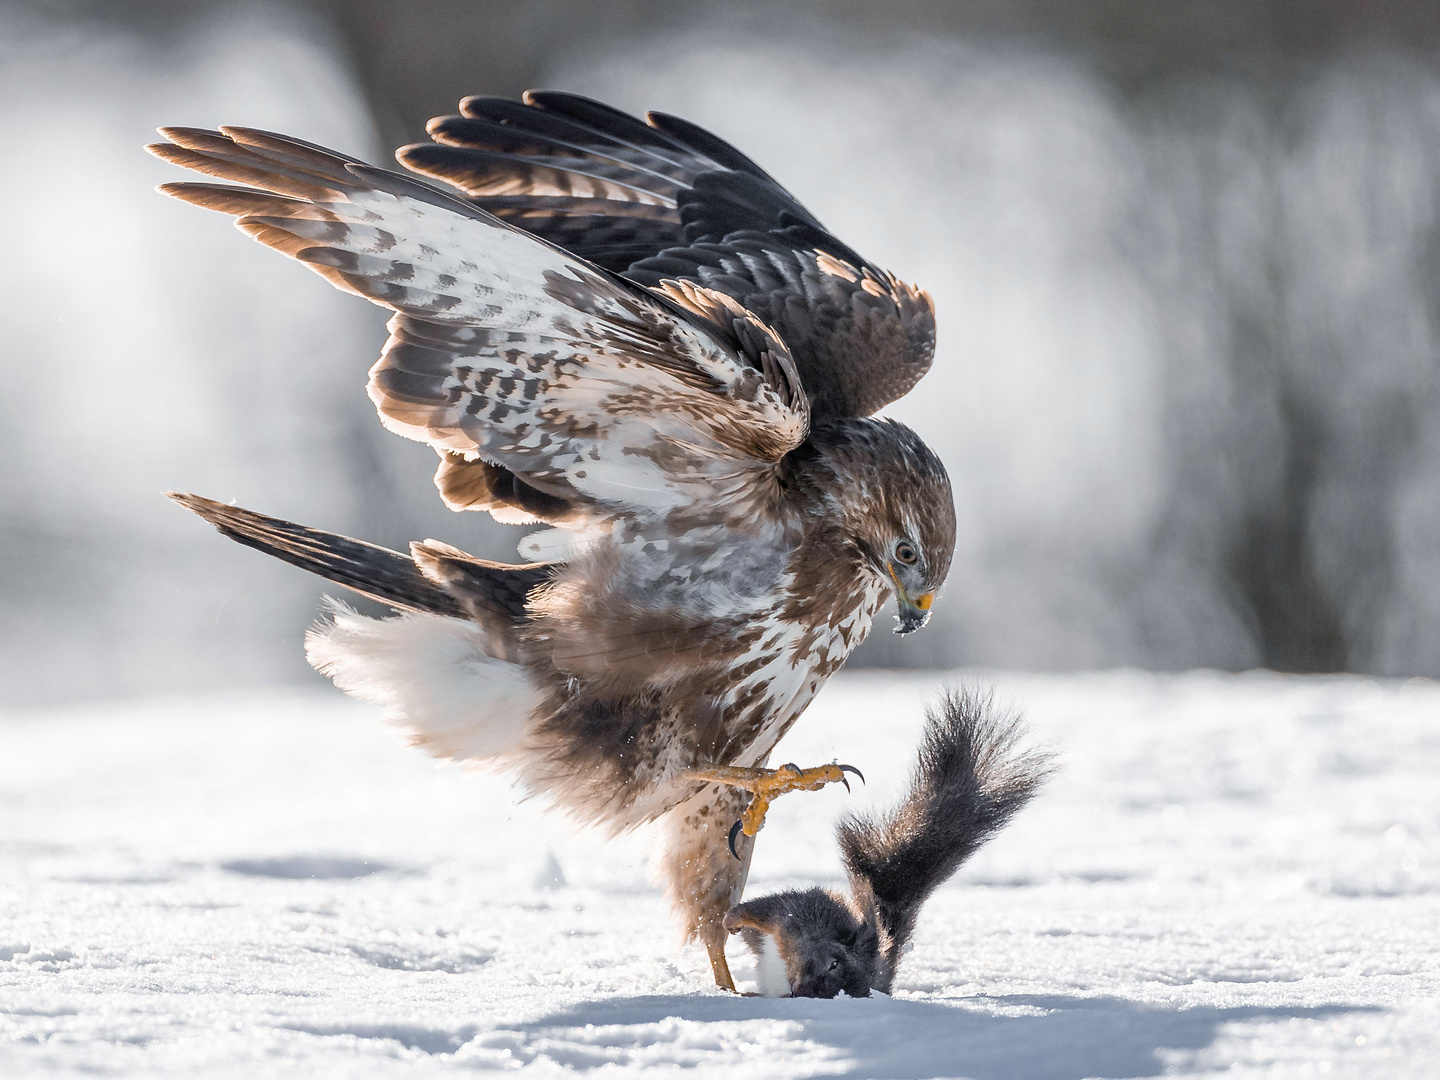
column 905, row 552
column 834, row 964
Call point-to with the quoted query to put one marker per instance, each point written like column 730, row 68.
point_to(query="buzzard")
column 627, row 331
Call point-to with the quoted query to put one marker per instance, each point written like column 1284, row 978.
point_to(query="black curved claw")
column 792, row 767
column 851, row 768
column 735, row 831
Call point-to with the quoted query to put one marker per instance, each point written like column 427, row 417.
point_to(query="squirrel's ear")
column 867, row 933
column 867, row 937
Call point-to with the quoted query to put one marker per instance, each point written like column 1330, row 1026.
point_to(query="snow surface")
column 1231, row 874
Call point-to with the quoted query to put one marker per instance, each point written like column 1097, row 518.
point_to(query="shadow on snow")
column 881, row 1038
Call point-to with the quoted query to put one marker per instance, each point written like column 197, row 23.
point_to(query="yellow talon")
column 768, row 784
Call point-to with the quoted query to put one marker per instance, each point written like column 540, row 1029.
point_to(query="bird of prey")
column 627, row 331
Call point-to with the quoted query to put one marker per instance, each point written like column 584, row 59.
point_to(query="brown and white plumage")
column 731, row 529
column 663, row 199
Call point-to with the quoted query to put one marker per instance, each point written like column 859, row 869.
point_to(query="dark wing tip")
column 184, row 190
column 184, row 136
column 172, row 153
column 403, row 154
column 705, row 142
column 209, row 509
column 216, row 513
column 541, row 98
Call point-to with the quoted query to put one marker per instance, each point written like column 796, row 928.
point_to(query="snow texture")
column 1231, row 874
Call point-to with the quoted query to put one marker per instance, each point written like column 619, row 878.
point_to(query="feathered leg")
column 701, row 879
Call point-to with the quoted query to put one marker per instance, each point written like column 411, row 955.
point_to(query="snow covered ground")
column 1232, row 874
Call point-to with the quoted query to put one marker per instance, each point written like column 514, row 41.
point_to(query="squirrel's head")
column 825, row 946
column 822, row 966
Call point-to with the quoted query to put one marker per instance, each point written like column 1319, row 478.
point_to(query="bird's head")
column 916, row 569
column 899, row 512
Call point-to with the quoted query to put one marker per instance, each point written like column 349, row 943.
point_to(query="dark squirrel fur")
column 969, row 781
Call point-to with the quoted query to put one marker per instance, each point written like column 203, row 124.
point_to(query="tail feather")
column 968, row 783
column 368, row 569
column 437, row 678
column 434, row 579
column 492, row 594
column 451, row 681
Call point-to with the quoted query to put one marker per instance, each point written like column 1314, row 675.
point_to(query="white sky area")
column 1230, row 876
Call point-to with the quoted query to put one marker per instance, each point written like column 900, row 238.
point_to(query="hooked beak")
column 912, row 611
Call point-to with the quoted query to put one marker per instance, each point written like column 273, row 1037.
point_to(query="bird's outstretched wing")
column 585, row 396
column 663, row 199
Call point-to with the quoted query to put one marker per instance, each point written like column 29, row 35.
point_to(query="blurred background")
column 1185, row 258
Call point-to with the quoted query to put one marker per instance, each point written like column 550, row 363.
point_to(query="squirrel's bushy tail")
column 969, row 781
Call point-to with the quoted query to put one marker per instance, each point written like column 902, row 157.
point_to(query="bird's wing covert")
column 616, row 399
column 663, row 199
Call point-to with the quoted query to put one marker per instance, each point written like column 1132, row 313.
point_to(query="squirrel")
column 969, row 781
